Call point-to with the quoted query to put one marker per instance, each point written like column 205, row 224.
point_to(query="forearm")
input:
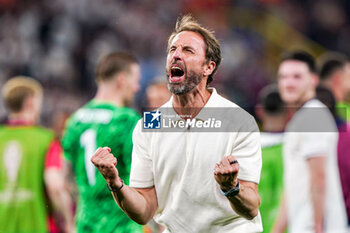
column 70, row 183
column 318, row 200
column 65, row 209
column 318, row 189
column 61, row 202
column 60, row 197
column 246, row 203
column 138, row 205
column 281, row 223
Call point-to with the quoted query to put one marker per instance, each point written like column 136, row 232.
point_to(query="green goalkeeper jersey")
column 100, row 124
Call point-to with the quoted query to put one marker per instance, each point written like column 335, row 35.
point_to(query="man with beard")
column 191, row 181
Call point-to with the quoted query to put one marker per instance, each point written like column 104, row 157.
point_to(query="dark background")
column 59, row 42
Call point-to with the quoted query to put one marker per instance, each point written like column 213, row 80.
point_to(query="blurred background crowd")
column 59, row 42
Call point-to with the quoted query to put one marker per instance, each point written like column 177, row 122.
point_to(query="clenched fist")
column 105, row 162
column 225, row 173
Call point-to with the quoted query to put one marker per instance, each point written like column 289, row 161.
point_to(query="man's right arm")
column 317, row 168
column 56, row 186
column 281, row 222
column 139, row 204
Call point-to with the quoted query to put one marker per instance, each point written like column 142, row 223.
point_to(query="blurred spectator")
column 157, row 93
column 31, row 165
column 103, row 121
column 326, row 96
column 335, row 75
column 313, row 200
column 272, row 113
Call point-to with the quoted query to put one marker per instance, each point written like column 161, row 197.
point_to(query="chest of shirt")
column 189, row 153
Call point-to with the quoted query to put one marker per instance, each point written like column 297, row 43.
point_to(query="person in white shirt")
column 312, row 193
column 192, row 181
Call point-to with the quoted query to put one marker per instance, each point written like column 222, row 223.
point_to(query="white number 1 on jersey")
column 88, row 141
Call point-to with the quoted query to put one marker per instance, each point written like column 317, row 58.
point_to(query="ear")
column 259, row 111
column 337, row 79
column 315, row 80
column 209, row 67
column 120, row 80
column 28, row 103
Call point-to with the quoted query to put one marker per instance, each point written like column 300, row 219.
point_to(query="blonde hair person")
column 30, row 158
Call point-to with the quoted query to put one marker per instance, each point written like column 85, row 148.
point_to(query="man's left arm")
column 243, row 195
column 238, row 174
column 55, row 185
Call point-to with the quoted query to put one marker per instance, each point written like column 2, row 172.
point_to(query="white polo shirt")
column 181, row 167
column 311, row 132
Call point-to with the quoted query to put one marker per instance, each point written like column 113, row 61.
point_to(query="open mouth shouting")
column 176, row 74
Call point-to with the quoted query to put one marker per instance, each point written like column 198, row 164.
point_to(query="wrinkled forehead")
column 189, row 39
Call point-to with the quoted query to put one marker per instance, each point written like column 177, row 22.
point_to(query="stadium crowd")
column 59, row 42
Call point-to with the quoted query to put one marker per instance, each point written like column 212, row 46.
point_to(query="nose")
column 176, row 55
column 288, row 83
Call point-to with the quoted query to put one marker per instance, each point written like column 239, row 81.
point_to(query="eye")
column 188, row 50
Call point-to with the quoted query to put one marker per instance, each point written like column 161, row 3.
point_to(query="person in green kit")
column 30, row 165
column 273, row 117
column 104, row 121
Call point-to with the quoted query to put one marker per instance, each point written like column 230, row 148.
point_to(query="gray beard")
column 192, row 79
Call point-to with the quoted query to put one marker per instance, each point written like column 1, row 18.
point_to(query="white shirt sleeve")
column 247, row 150
column 141, row 175
column 317, row 143
column 318, row 132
